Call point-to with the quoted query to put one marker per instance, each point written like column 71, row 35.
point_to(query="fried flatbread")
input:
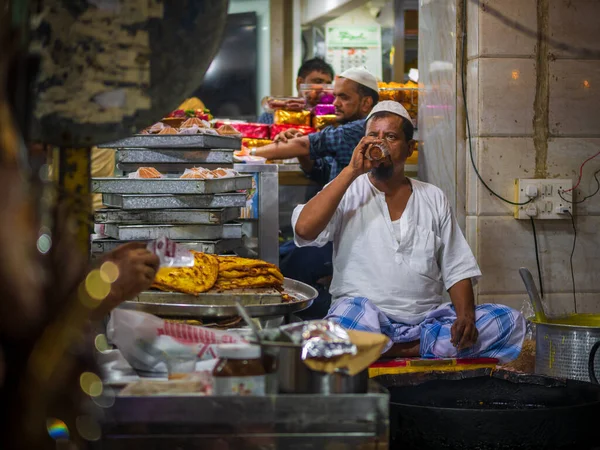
column 260, row 281
column 227, row 263
column 253, row 272
column 190, row 280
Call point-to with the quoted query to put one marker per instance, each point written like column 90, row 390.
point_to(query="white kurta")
column 405, row 277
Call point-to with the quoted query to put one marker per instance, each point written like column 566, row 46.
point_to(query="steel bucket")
column 563, row 347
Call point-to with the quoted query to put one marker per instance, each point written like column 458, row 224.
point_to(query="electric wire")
column 464, row 94
column 537, row 257
column 587, row 196
column 572, row 253
column 581, row 173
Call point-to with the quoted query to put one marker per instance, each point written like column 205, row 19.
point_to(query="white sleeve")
column 326, row 235
column 457, row 262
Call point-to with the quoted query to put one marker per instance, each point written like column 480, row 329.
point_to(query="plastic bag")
column 150, row 344
column 170, row 254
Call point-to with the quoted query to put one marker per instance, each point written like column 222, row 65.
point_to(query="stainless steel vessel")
column 296, row 378
column 563, row 346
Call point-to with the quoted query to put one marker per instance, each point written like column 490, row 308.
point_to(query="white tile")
column 472, row 29
column 574, row 25
column 565, row 156
column 472, row 88
column 499, row 161
column 506, row 96
column 497, row 35
column 588, row 303
column 574, row 98
column 505, row 244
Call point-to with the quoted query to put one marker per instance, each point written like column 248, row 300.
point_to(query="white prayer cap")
column 362, row 76
column 391, row 107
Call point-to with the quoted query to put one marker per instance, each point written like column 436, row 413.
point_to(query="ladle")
column 534, row 296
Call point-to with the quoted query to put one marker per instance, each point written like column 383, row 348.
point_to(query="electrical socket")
column 547, row 204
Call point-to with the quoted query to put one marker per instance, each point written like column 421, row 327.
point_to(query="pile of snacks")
column 407, row 94
column 195, row 172
column 221, row 273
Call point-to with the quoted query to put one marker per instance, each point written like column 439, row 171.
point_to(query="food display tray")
column 152, row 156
column 167, row 217
column 258, row 303
column 191, row 232
column 170, row 201
column 176, row 141
column 217, row 247
column 123, row 185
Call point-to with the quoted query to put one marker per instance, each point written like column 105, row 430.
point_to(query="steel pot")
column 592, row 363
column 296, row 378
column 563, row 346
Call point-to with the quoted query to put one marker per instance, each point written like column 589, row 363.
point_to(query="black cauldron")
column 492, row 410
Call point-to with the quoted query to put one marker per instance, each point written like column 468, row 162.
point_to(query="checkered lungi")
column 501, row 329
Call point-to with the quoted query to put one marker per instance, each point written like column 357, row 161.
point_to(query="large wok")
column 486, row 410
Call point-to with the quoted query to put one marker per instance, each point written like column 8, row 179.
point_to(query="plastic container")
column 240, row 370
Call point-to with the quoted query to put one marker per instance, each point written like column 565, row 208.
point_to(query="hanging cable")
column 464, row 94
column 587, row 196
column 581, row 173
column 572, row 253
column 537, row 257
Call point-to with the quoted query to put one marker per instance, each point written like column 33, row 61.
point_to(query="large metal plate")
column 175, row 232
column 169, row 201
column 123, row 185
column 149, row 156
column 176, row 141
column 223, row 304
column 167, row 217
column 219, row 247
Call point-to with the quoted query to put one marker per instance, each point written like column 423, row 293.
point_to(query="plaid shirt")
column 266, row 117
column 322, row 169
column 338, row 143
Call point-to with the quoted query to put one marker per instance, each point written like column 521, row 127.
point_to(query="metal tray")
column 219, row 247
column 123, row 185
column 150, row 156
column 169, row 201
column 190, row 232
column 222, row 304
column 167, row 217
column 176, row 141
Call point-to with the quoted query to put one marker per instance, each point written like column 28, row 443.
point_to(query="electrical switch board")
column 543, row 199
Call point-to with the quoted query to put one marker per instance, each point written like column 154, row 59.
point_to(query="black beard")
column 383, row 173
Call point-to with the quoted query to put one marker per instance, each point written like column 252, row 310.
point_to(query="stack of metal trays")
column 199, row 213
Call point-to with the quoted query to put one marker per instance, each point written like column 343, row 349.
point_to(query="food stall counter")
column 349, row 421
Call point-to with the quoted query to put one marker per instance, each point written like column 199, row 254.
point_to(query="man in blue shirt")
column 312, row 71
column 356, row 93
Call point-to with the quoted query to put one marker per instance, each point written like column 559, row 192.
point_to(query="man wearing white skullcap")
column 355, row 93
column 397, row 247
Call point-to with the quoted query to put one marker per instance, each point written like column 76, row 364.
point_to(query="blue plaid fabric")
column 338, row 143
column 501, row 329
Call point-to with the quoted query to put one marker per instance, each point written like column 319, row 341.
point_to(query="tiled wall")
column 534, row 108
